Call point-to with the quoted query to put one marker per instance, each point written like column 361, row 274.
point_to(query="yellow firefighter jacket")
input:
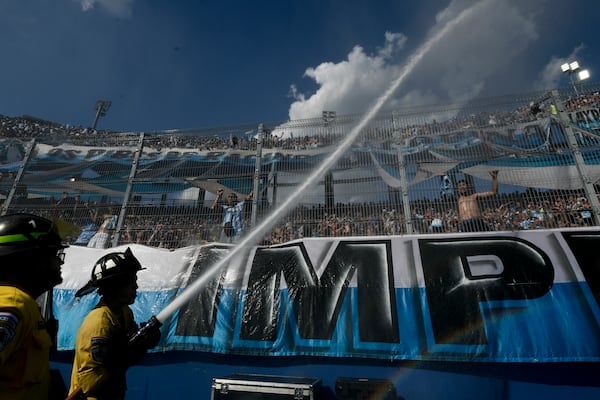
column 101, row 353
column 24, row 347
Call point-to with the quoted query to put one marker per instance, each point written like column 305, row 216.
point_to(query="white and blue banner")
column 529, row 296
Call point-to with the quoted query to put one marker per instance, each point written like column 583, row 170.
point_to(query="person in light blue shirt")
column 233, row 225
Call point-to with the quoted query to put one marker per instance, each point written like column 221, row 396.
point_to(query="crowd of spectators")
column 174, row 227
column 27, row 127
column 517, row 211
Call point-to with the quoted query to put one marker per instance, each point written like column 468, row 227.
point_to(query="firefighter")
column 31, row 255
column 103, row 350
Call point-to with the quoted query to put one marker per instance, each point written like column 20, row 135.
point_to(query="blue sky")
column 185, row 64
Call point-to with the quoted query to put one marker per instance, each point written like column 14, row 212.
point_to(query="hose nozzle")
column 148, row 329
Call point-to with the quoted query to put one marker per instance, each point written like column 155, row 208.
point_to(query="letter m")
column 316, row 301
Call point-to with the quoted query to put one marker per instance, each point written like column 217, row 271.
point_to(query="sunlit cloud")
column 362, row 74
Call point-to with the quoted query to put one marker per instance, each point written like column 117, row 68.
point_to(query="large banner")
column 524, row 296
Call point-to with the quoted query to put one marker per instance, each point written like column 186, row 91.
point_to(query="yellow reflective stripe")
column 63, row 228
column 19, row 237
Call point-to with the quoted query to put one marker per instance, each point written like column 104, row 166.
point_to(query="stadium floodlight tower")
column 102, row 107
column 573, row 70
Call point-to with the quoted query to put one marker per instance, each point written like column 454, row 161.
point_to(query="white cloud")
column 120, row 8
column 464, row 63
column 345, row 86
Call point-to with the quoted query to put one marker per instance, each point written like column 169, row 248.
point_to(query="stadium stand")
column 399, row 177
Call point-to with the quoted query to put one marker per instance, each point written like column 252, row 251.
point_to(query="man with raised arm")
column 469, row 214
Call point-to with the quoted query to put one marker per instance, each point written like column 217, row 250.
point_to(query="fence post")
column 403, row 181
column 588, row 185
column 256, row 184
column 17, row 180
column 127, row 196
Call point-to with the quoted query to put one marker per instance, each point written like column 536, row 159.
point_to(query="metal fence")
column 417, row 170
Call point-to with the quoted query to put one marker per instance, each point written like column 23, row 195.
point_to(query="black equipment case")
column 363, row 388
column 264, row 387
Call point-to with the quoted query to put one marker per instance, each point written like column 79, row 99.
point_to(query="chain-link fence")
column 513, row 163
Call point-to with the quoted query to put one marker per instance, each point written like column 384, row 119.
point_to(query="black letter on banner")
column 316, row 302
column 198, row 316
column 460, row 274
column 584, row 246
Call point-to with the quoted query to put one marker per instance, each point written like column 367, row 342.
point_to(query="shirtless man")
column 470, row 217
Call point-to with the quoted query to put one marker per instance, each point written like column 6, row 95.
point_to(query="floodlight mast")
column 573, row 69
column 102, row 107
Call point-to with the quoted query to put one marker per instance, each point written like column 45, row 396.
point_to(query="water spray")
column 328, row 163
